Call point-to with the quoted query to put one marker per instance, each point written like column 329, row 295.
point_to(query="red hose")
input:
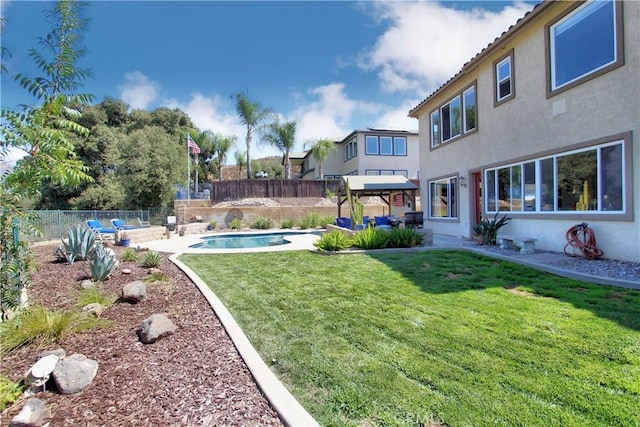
column 582, row 237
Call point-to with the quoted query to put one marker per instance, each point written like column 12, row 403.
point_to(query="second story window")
column 350, row 149
column 585, row 43
column 455, row 118
column 385, row 145
column 503, row 79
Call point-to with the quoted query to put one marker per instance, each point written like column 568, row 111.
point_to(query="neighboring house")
column 368, row 152
column 542, row 125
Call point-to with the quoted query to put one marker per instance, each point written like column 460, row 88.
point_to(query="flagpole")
column 196, row 170
column 188, row 171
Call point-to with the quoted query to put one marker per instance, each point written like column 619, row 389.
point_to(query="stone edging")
column 288, row 408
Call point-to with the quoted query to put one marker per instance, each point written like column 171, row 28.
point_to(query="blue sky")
column 332, row 66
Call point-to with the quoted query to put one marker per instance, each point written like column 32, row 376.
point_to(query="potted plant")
column 211, row 226
column 124, row 239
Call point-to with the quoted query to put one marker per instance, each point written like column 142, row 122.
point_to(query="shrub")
column 328, row 194
column 488, row 229
column 213, row 224
column 80, row 244
column 160, row 276
column 103, row 263
column 95, row 295
column 129, row 255
column 9, row 392
column 310, row 220
column 404, row 238
column 333, row 241
column 371, row 238
column 323, row 220
column 37, row 324
column 262, row 223
column 152, row 259
column 287, row 223
column 236, row 224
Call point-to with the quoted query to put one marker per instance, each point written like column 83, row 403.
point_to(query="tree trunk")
column 249, row 155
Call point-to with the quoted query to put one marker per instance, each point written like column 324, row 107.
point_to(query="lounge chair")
column 100, row 231
column 143, row 223
column 119, row 224
column 343, row 222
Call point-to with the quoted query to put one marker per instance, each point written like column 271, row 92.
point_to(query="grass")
column 435, row 337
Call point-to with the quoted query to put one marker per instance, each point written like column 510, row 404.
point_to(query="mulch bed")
column 194, row 377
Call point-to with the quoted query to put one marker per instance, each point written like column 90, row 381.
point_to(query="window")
column 585, row 43
column 503, row 79
column 443, row 198
column 386, row 145
column 350, row 149
column 458, row 116
column 588, row 179
column 371, row 146
column 386, row 172
column 469, row 99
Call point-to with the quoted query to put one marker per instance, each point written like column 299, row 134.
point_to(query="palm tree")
column 321, row 150
column 222, row 146
column 241, row 161
column 252, row 114
column 283, row 137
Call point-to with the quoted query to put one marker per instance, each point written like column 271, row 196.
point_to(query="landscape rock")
column 126, row 271
column 60, row 352
column 154, row 270
column 74, row 373
column 94, row 308
column 155, row 327
column 32, row 414
column 134, row 292
column 87, row 284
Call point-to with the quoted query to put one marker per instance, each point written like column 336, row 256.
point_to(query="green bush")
column 324, row 220
column 129, row 255
column 370, row 238
column 103, row 263
column 404, row 238
column 9, row 392
column 80, row 244
column 152, row 259
column 287, row 223
column 236, row 224
column 488, row 229
column 37, row 324
column 95, row 295
column 262, row 223
column 311, row 220
column 213, row 225
column 160, row 276
column 333, row 241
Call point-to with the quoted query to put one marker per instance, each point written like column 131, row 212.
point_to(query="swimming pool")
column 244, row 241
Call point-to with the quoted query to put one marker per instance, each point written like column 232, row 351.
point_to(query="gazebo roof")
column 378, row 183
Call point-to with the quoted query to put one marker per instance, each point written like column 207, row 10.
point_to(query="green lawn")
column 435, row 337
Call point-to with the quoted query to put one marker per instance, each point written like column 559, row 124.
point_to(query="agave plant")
column 103, row 263
column 80, row 244
column 488, row 229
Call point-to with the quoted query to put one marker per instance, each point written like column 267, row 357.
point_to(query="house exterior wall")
column 532, row 125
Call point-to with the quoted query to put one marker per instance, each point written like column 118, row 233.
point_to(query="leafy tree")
column 117, row 111
column 321, row 150
column 252, row 115
column 283, row 137
column 272, row 166
column 172, row 121
column 43, row 133
column 152, row 165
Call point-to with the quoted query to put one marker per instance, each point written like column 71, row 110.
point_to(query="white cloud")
column 426, row 43
column 330, row 113
column 397, row 118
column 138, row 91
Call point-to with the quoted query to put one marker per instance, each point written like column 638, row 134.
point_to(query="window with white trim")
column 589, row 179
column 385, row 145
column 583, row 43
column 376, row 172
column 350, row 149
column 443, row 198
column 455, row 118
column 503, row 73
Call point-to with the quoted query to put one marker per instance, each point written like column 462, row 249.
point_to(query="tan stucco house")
column 542, row 125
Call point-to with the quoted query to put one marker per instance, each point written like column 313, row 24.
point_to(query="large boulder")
column 155, row 327
column 134, row 292
column 74, row 373
column 32, row 414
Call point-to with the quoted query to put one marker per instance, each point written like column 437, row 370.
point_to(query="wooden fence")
column 222, row 191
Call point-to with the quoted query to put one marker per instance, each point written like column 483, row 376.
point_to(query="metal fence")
column 54, row 223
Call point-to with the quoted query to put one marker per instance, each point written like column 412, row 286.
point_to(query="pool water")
column 243, row 241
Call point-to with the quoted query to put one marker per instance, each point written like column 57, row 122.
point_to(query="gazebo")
column 377, row 185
